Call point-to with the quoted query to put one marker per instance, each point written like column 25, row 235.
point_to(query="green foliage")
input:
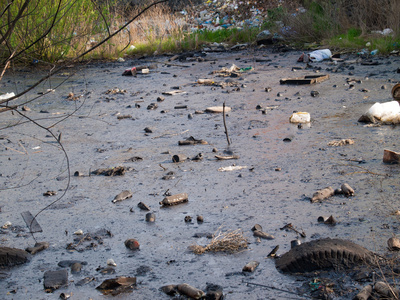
column 53, row 29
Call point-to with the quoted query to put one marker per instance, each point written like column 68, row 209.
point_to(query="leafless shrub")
column 230, row 241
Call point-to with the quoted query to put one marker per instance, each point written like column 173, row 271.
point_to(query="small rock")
column 200, row 219
column 160, row 99
column 188, row 219
column 148, row 130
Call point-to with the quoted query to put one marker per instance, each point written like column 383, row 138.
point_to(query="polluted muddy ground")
column 106, row 120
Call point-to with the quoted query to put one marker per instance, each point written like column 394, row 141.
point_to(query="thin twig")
column 365, row 169
column 272, row 288
column 170, row 134
column 65, row 65
column 226, row 129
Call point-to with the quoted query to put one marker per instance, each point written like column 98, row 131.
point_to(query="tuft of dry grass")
column 230, row 241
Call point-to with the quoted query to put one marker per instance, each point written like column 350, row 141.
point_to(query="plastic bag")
column 388, row 112
column 320, row 55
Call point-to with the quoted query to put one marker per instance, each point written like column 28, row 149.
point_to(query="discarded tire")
column 323, row 254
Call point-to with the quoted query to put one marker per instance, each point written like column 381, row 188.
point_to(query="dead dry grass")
column 231, row 241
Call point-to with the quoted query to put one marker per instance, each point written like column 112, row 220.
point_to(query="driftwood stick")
column 226, row 129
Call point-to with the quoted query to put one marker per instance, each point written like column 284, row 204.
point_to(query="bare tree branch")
column 63, row 66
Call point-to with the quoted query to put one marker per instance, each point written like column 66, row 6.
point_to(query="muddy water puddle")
column 272, row 190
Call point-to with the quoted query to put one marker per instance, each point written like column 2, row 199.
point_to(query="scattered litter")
column 6, row 225
column 150, row 217
column 347, row 189
column 218, row 109
column 315, row 56
column 117, row 285
column 55, row 279
column 386, row 113
column 391, row 157
column 132, row 244
column 10, row 257
column 330, row 221
column 175, row 92
column 365, row 293
column 122, row 196
column 396, row 92
column 121, row 117
column 31, row 222
column 40, row 246
column 263, row 235
column 179, row 158
column 175, row 199
column 115, row 91
column 251, row 266
column 111, row 262
column 273, row 252
column 190, row 291
column 231, row 168
column 143, row 206
column 308, row 79
column 50, row 193
column 341, row 142
column 116, row 171
column 393, row 244
column 300, row 117
column 7, row 96
column 385, row 290
column 322, row 194
column 219, row 157
column 192, row 141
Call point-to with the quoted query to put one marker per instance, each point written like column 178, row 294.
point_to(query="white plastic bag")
column 388, row 112
column 320, row 55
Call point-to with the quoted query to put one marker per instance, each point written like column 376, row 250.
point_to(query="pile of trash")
column 217, row 14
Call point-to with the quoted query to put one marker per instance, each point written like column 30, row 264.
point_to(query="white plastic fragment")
column 231, row 168
column 78, row 232
column 111, row 262
column 7, row 96
column 320, row 55
column 300, row 117
column 388, row 112
column 6, row 225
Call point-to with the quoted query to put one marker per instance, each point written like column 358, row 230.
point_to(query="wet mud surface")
column 273, row 190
